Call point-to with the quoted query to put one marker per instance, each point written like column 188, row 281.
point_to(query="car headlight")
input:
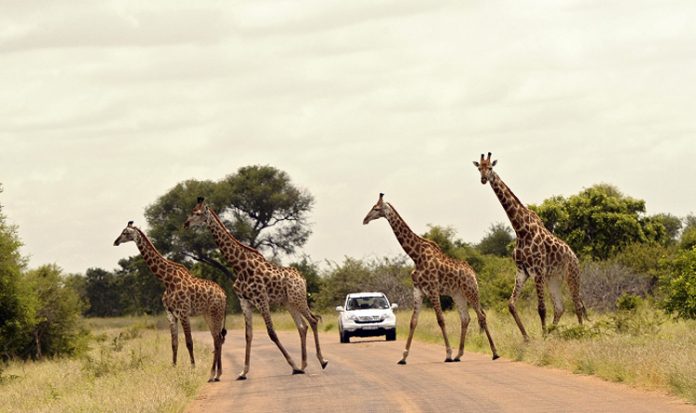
column 351, row 317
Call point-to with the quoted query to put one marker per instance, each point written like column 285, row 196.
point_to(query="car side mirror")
column 394, row 306
column 339, row 309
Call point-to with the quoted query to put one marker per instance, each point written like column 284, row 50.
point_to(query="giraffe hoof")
column 324, row 364
column 448, row 360
column 495, row 357
column 402, row 362
column 456, row 360
column 239, row 378
column 211, row 380
column 216, row 379
column 297, row 371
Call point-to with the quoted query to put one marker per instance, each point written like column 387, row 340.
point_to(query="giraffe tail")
column 316, row 317
column 223, row 332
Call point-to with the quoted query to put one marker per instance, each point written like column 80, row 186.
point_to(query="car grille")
column 366, row 319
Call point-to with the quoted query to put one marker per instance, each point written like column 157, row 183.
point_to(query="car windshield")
column 366, row 303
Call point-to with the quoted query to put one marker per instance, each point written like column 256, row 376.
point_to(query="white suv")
column 366, row 315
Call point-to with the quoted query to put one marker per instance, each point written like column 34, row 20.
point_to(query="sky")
column 106, row 105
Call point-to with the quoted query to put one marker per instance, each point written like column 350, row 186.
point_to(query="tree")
column 678, row 285
column 259, row 204
column 310, row 271
column 600, row 221
column 497, row 241
column 688, row 236
column 104, row 294
column 453, row 247
column 672, row 224
column 57, row 330
column 17, row 311
column 140, row 291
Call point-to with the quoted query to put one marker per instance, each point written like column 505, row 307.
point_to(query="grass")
column 129, row 363
column 128, row 367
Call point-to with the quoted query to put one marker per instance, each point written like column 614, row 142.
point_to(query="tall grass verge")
column 126, row 369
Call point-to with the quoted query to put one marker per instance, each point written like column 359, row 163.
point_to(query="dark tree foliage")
column 105, row 294
column 16, row 311
column 141, row 292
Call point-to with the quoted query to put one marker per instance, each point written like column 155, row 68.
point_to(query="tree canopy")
column 258, row 204
column 600, row 221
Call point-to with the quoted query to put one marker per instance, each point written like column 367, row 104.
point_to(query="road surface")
column 364, row 377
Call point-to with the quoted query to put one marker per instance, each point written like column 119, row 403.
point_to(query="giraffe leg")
column 541, row 305
column 186, row 325
column 312, row 319
column 215, row 328
column 484, row 326
column 248, row 334
column 263, row 307
column 174, row 329
column 519, row 282
column 574, row 287
column 461, row 303
column 435, row 301
column 216, row 369
column 417, row 302
column 554, row 283
column 302, row 329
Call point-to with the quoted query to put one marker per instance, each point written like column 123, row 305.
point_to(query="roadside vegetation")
column 125, row 368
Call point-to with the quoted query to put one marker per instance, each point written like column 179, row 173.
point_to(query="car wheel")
column 345, row 338
column 391, row 335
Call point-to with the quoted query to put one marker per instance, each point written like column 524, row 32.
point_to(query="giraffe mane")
column 148, row 242
column 216, row 217
column 431, row 242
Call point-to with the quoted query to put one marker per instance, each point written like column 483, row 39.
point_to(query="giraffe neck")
column 408, row 239
column 513, row 207
column 154, row 260
column 236, row 254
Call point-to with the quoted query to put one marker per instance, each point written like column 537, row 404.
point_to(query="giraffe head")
column 199, row 214
column 377, row 211
column 485, row 166
column 129, row 233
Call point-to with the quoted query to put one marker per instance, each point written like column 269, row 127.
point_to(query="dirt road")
column 364, row 377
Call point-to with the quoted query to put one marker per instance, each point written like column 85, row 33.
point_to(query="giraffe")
column 435, row 274
column 184, row 296
column 261, row 284
column 538, row 253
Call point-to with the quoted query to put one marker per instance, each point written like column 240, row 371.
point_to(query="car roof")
column 365, row 294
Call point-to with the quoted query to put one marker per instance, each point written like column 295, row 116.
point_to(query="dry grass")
column 127, row 369
column 129, row 363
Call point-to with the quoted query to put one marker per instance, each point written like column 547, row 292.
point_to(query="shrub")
column 678, row 285
column 604, row 282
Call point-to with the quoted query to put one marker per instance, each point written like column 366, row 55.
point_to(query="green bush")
column 678, row 285
column 57, row 329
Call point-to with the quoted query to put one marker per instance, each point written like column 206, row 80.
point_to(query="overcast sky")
column 105, row 106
